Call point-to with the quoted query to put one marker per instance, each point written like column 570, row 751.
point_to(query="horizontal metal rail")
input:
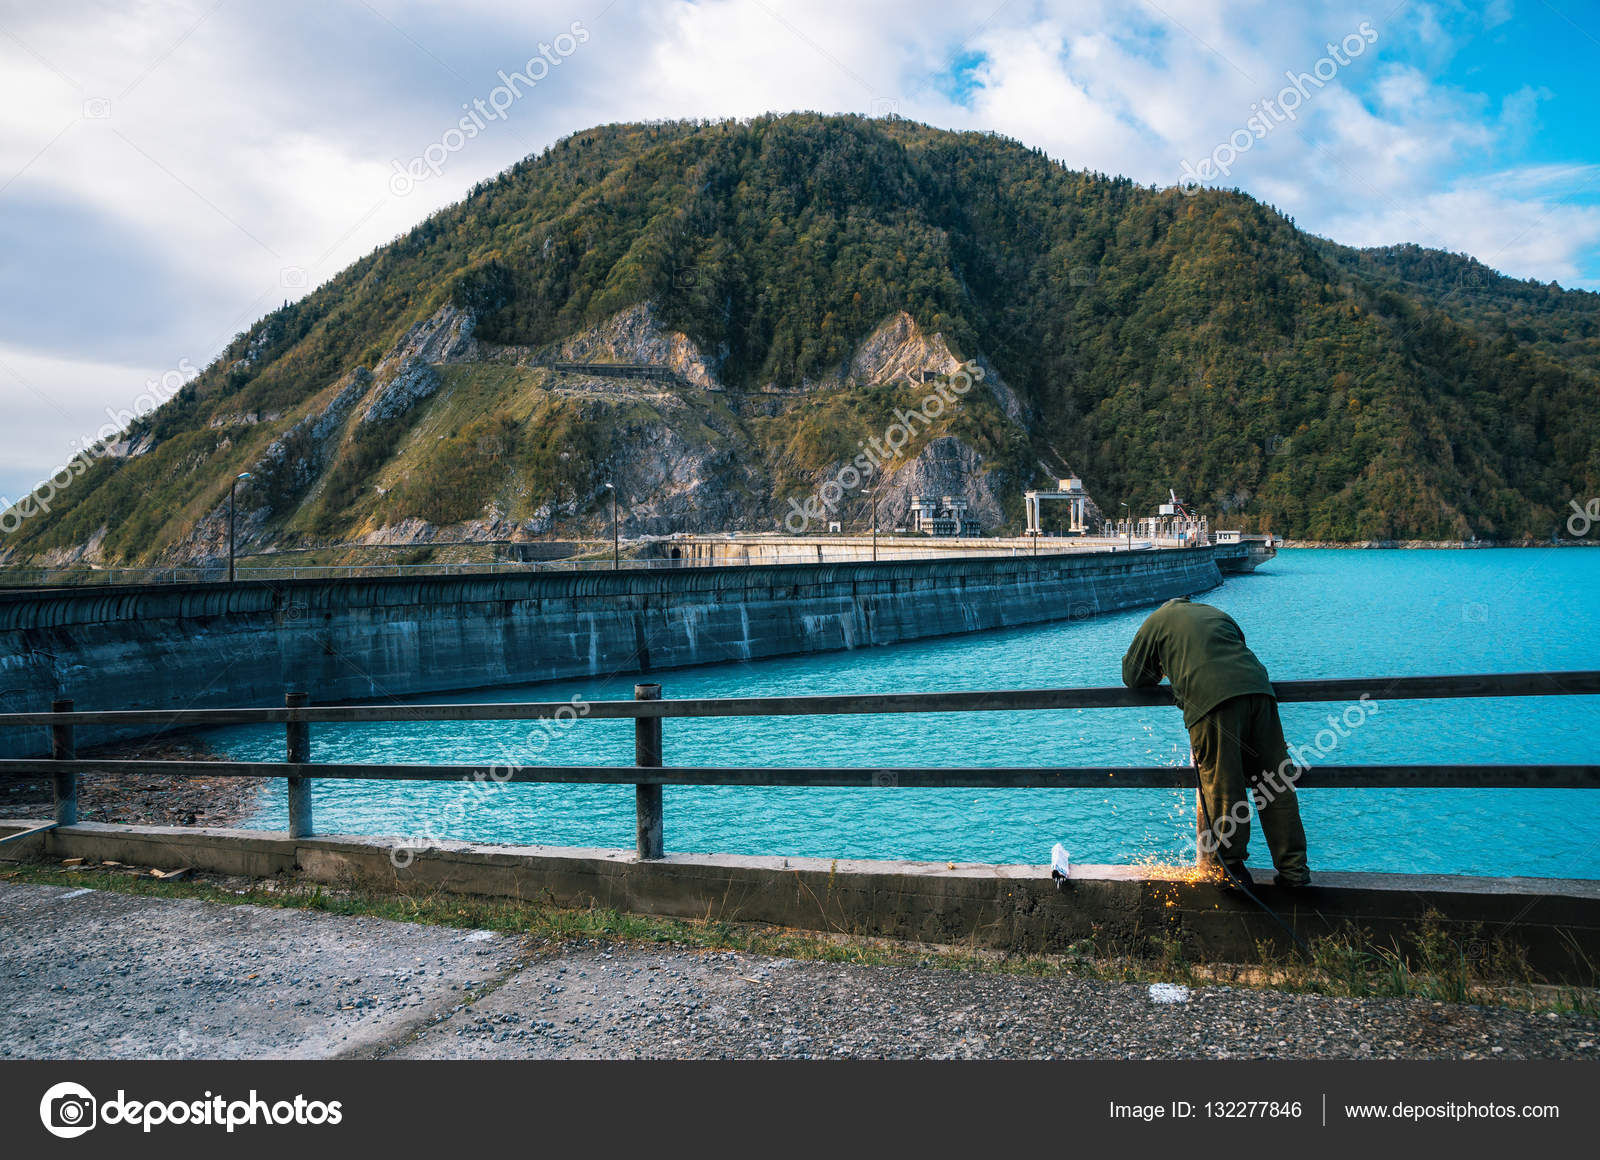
column 648, row 773
column 920, row 777
column 1555, row 684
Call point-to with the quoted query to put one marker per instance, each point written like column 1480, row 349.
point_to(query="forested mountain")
column 798, row 274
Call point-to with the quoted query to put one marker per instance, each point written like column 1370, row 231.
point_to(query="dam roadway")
column 218, row 645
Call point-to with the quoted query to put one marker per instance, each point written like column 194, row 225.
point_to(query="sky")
column 171, row 171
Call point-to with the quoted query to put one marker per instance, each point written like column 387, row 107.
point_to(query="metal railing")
column 649, row 771
column 33, row 578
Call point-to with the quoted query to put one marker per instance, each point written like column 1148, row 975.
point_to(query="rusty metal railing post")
column 298, row 736
column 647, row 798
column 66, row 784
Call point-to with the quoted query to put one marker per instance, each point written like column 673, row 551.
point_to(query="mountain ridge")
column 799, row 274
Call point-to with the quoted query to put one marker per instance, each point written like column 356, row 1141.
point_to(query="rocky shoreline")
column 142, row 799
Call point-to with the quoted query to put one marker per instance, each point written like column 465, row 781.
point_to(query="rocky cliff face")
column 635, row 336
column 296, row 461
column 687, row 455
column 692, row 456
column 292, row 461
column 899, row 349
column 443, row 337
column 946, row 466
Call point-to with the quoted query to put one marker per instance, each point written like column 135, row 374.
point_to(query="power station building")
column 945, row 516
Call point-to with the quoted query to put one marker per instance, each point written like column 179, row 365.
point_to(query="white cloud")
column 56, row 407
column 1526, row 235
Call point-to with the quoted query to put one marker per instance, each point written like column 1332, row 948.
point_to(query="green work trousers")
column 1238, row 746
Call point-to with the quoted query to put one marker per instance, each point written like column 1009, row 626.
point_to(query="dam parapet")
column 170, row 646
column 1233, row 551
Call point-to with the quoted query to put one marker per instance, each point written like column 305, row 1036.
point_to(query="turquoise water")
column 1307, row 614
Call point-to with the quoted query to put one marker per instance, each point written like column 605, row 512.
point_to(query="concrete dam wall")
column 224, row 646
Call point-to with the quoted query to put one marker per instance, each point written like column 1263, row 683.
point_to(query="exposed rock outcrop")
column 670, row 483
column 89, row 552
column 411, row 381
column 290, row 464
column 445, row 336
column 946, row 466
column 126, row 448
column 418, row 531
column 898, row 350
column 1003, row 394
column 636, row 336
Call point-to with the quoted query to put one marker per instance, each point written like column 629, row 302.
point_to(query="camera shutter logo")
column 68, row 1110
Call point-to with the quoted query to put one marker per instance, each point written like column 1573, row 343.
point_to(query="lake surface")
column 1308, row 614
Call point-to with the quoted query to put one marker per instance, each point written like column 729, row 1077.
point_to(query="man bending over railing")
column 1232, row 716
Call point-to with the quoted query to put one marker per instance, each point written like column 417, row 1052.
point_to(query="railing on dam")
column 889, row 552
column 650, row 773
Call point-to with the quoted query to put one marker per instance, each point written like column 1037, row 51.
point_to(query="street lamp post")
column 232, row 487
column 616, row 534
column 873, row 500
column 1130, row 526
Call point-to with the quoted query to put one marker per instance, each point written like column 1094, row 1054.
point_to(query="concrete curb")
column 1016, row 908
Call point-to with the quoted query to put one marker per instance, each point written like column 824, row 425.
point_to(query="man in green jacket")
column 1232, row 716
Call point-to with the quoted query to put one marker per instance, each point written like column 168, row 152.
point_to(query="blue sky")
column 171, row 170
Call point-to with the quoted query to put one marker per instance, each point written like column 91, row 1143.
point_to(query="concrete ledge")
column 1556, row 921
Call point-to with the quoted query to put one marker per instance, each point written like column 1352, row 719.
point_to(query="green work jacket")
column 1201, row 650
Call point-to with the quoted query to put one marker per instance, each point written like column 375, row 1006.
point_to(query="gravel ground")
column 145, row 799
column 92, row 974
column 632, row 1002
column 86, row 974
